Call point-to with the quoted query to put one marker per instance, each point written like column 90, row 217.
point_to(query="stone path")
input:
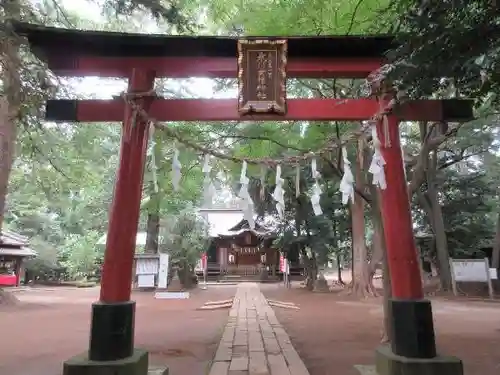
column 254, row 342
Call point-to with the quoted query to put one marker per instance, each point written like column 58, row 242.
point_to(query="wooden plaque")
column 262, row 76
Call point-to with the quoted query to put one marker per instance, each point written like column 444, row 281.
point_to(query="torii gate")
column 141, row 59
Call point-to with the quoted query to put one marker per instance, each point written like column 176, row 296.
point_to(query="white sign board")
column 146, row 281
column 163, row 271
column 493, row 274
column 146, row 266
column 471, row 270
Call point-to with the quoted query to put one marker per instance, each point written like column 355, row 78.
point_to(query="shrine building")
column 236, row 250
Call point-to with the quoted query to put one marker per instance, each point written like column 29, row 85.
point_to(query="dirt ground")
column 332, row 333
column 49, row 326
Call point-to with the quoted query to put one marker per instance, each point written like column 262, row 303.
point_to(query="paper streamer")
column 153, row 158
column 247, row 202
column 378, row 162
column 176, row 170
column 208, row 186
column 315, row 200
column 316, row 190
column 279, row 193
column 297, row 181
column 263, row 172
column 347, row 182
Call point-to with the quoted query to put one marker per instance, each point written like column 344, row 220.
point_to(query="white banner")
column 472, row 270
column 163, row 271
column 146, row 266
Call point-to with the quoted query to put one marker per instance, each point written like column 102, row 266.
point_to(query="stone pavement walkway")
column 254, row 342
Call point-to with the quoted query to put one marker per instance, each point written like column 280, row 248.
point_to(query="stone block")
column 240, row 351
column 219, row 368
column 295, row 364
column 255, row 343
column 224, row 352
column 137, row 364
column 271, row 345
column 277, row 365
column 157, row 370
column 228, row 334
column 239, row 364
column 241, row 338
column 258, row 364
column 388, row 363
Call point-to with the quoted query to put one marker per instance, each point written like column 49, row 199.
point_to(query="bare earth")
column 51, row 325
column 332, row 333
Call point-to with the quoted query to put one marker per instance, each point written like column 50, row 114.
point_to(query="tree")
column 449, row 38
column 184, row 238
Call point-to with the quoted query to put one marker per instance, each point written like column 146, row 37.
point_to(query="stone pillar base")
column 136, row 364
column 388, row 363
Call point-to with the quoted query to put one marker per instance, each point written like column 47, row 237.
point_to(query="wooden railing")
column 241, row 270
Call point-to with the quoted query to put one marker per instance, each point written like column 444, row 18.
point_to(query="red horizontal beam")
column 216, row 67
column 227, row 110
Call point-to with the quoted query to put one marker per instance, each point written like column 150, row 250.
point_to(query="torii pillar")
column 413, row 346
column 111, row 348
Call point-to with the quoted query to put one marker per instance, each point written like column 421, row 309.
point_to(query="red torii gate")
column 142, row 58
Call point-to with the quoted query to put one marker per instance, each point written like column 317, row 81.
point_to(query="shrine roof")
column 230, row 223
column 13, row 244
column 11, row 239
column 45, row 40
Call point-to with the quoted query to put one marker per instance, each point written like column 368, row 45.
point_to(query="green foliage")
column 80, row 254
column 170, row 11
column 62, row 182
column 184, row 237
column 450, row 38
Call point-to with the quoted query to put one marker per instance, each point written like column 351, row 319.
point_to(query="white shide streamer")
column 316, row 190
column 176, row 170
column 378, row 162
column 279, row 193
column 347, row 182
column 297, row 181
column 208, row 186
column 153, row 158
column 247, row 202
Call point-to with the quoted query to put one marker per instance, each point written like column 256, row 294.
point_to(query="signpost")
column 204, row 263
column 163, row 271
column 472, row 270
column 285, row 269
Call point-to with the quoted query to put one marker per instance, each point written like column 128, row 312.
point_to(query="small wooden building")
column 14, row 249
column 237, row 249
column 243, row 250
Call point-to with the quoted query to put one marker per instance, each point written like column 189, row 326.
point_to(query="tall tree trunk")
column 339, row 270
column 10, row 105
column 153, row 225
column 437, row 220
column 360, row 283
column 153, row 220
column 312, row 266
column 495, row 256
column 381, row 250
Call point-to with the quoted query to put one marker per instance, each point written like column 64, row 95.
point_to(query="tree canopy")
column 62, row 178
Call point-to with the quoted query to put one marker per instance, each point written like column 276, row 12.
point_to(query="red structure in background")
column 141, row 58
column 14, row 249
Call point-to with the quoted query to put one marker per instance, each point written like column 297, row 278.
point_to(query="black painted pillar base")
column 112, row 331
column 412, row 328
